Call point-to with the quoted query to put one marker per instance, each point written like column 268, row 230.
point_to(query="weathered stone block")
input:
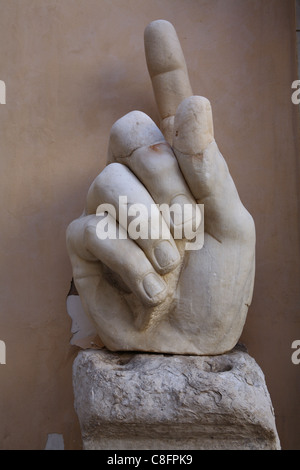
column 154, row 401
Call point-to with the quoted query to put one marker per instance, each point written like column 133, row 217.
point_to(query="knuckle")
column 89, row 230
column 71, row 230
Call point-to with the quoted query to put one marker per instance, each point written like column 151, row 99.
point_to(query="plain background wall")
column 298, row 33
column 71, row 68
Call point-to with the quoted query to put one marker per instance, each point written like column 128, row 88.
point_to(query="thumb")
column 193, row 127
column 206, row 171
column 193, row 143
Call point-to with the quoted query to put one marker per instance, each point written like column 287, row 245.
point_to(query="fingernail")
column 165, row 254
column 153, row 285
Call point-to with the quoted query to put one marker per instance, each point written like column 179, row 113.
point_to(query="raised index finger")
column 168, row 71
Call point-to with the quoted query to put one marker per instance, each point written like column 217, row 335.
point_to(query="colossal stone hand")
column 151, row 294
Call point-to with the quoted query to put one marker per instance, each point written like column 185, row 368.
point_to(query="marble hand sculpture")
column 151, row 293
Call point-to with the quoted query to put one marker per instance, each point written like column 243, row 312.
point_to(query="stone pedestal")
column 155, row 401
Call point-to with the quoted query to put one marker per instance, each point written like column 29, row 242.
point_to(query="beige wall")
column 71, row 68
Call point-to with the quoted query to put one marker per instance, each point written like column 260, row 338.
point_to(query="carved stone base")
column 155, row 401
